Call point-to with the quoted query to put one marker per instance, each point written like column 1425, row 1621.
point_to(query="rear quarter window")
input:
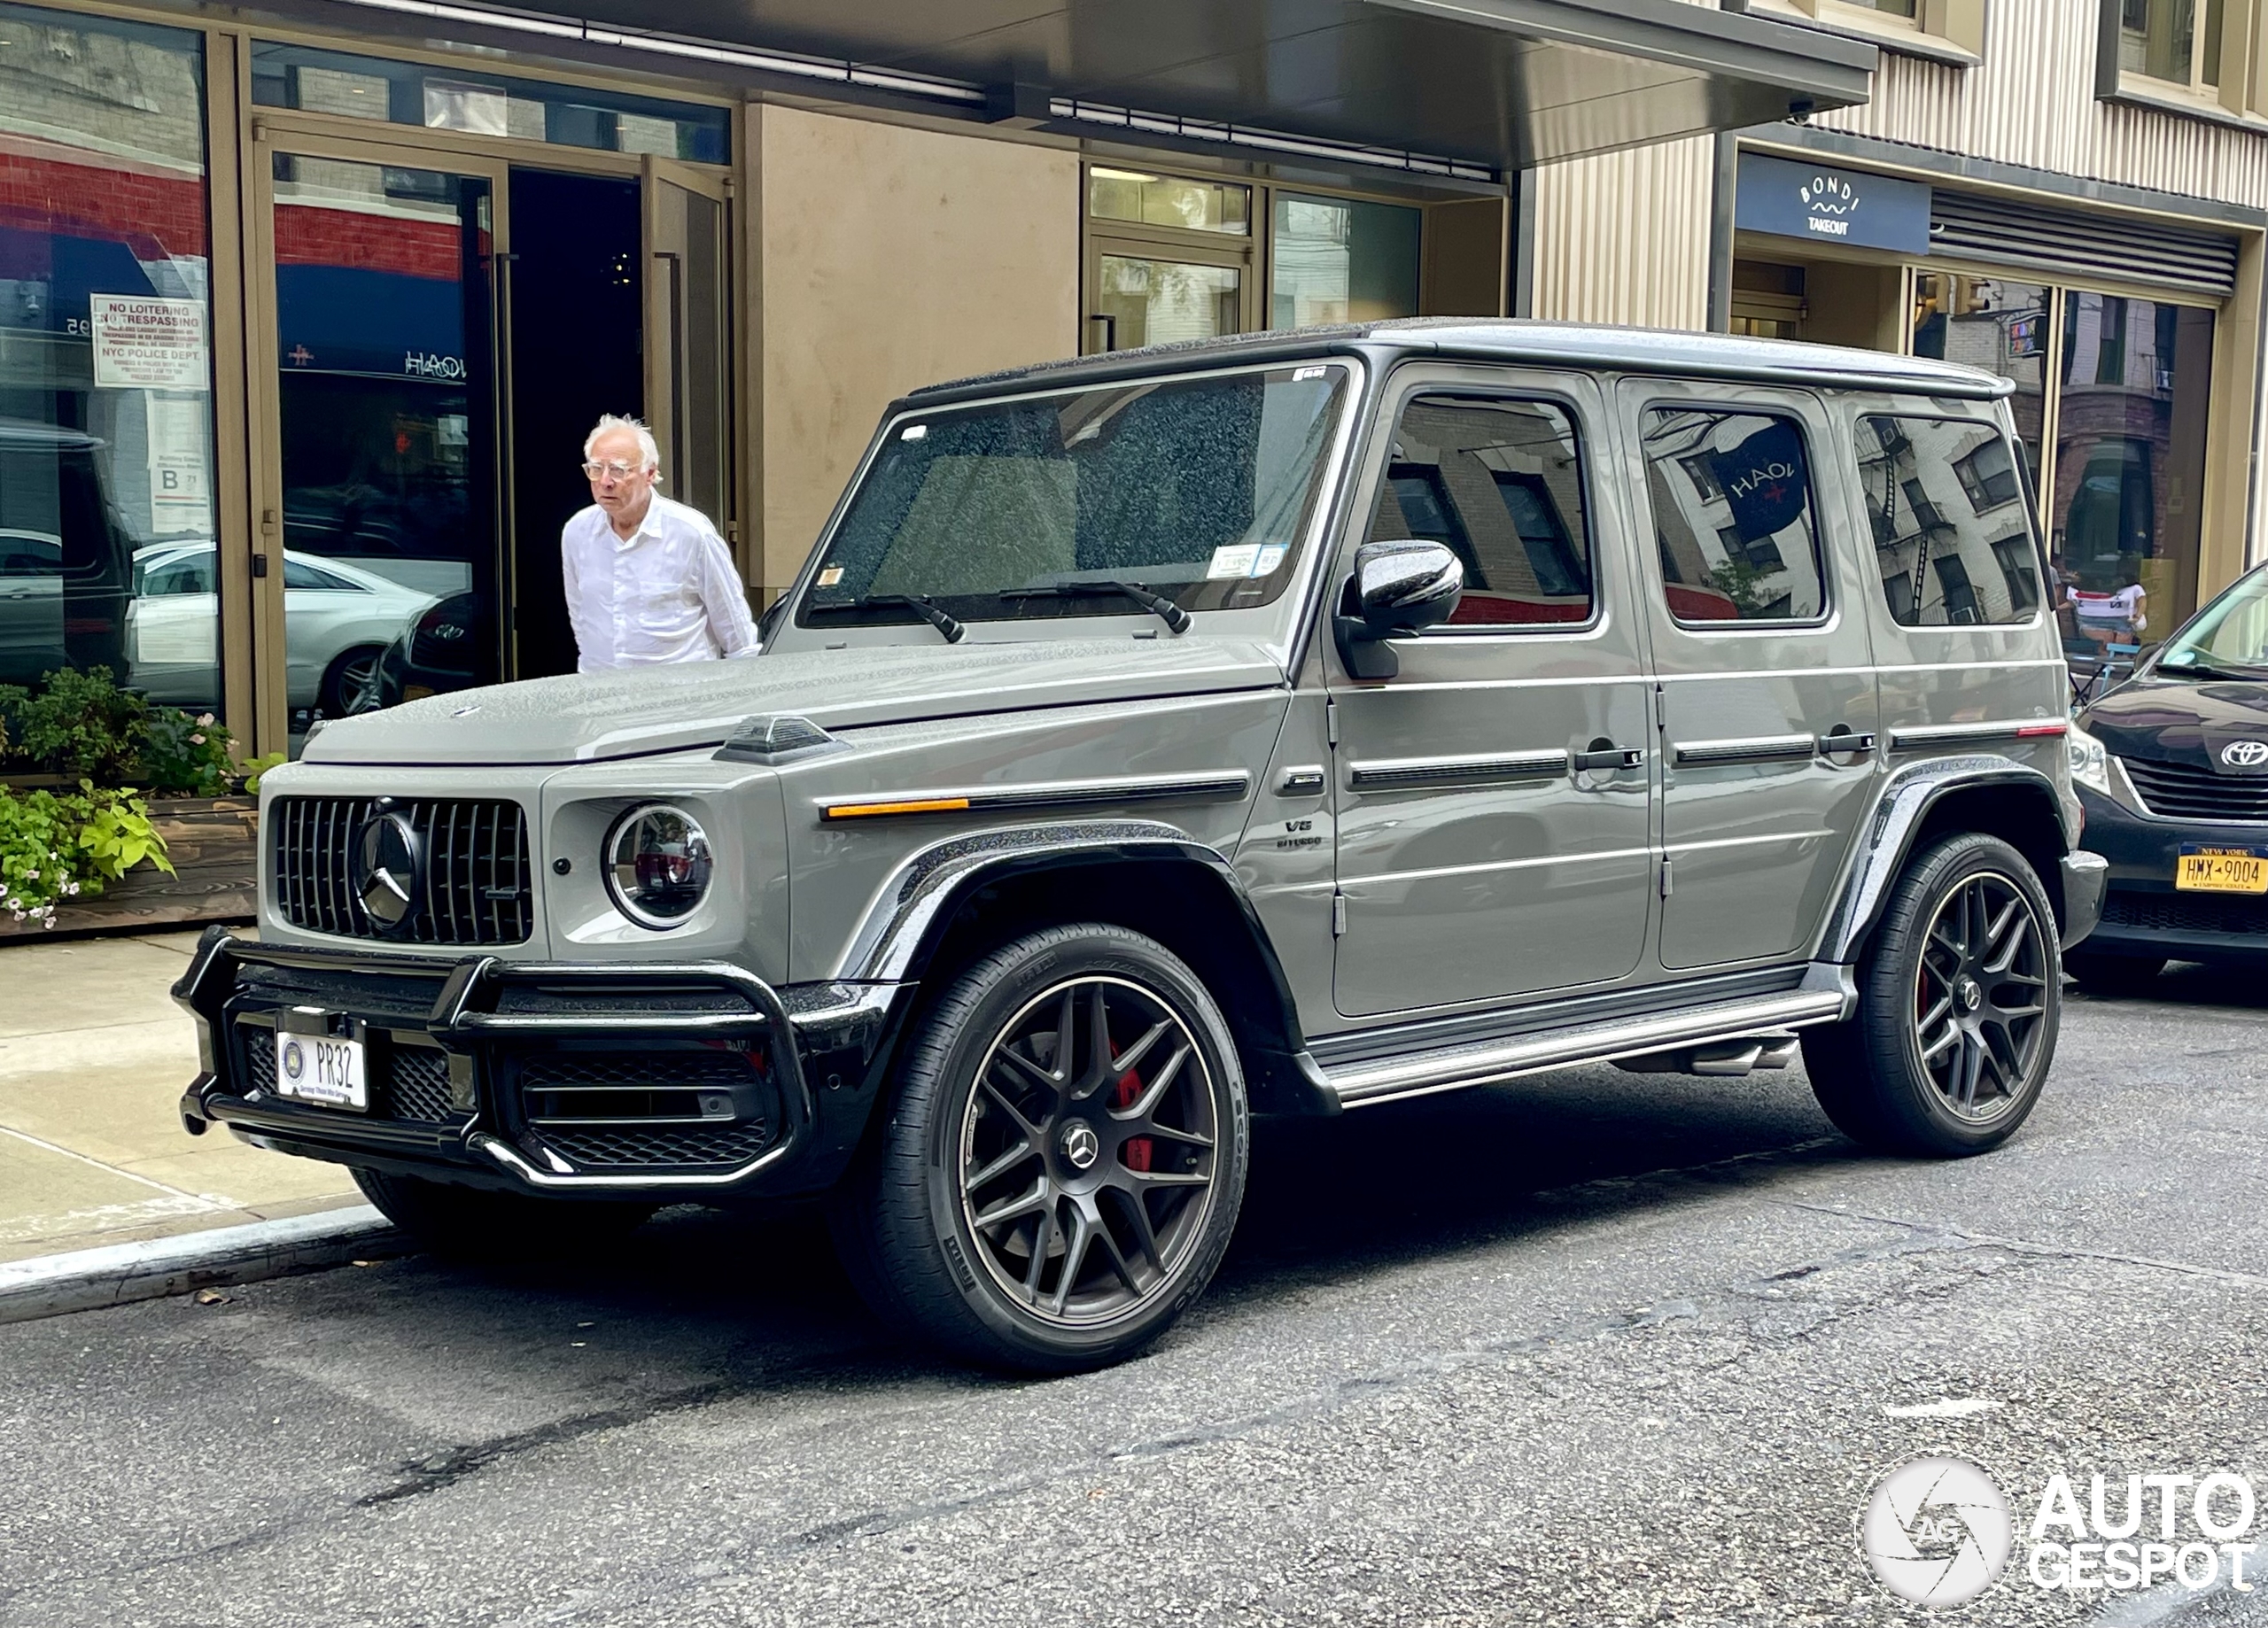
column 1951, row 530
column 1735, row 520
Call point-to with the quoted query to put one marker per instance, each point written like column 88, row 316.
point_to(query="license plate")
column 2221, row 870
column 317, row 1068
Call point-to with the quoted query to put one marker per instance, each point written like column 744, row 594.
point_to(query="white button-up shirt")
column 667, row 592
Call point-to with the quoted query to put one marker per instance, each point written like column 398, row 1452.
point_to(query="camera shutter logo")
column 2245, row 754
column 1936, row 1531
column 387, row 863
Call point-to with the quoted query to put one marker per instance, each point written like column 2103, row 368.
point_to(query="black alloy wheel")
column 1980, row 994
column 1061, row 1170
column 1087, row 1150
column 1959, row 995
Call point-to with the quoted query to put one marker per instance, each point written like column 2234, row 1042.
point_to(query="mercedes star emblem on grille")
column 387, row 860
column 2245, row 754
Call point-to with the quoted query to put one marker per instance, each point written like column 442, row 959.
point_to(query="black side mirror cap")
column 1397, row 587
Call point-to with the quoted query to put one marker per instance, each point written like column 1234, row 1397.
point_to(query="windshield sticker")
column 915, row 432
column 832, row 575
column 1302, row 375
column 1232, row 559
column 1271, row 556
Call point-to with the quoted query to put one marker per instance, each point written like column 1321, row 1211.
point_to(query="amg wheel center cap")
column 1081, row 1146
column 1969, row 993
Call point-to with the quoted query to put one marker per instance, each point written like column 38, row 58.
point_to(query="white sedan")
column 338, row 620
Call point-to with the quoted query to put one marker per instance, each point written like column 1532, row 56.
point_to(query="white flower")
column 196, row 740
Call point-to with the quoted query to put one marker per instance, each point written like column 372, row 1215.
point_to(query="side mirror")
column 1397, row 587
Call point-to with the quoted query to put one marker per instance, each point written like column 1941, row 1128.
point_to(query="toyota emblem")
column 2245, row 754
column 388, row 859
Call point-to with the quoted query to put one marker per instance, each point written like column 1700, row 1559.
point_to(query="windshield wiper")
column 1172, row 615
column 2193, row 669
column 954, row 631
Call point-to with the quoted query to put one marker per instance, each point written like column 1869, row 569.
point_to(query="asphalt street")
column 1593, row 1348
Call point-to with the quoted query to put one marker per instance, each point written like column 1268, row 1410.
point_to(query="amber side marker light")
column 903, row 805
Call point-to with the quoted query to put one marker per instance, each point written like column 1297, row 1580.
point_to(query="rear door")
column 1491, row 841
column 1763, row 660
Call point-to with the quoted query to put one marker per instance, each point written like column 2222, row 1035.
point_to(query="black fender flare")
column 906, row 923
column 1898, row 817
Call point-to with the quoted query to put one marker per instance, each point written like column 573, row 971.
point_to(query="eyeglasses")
column 615, row 467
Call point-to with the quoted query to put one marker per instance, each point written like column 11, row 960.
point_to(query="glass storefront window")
column 2130, row 465
column 458, row 99
column 1147, row 301
column 1141, row 199
column 106, row 476
column 1999, row 326
column 387, row 396
column 1337, row 259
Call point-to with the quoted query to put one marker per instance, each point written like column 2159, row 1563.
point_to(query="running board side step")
column 1693, row 1035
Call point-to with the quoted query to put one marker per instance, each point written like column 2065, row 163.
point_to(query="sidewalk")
column 93, row 1056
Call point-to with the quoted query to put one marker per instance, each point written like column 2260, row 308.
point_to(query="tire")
column 1952, row 1043
column 2102, row 974
column 1031, row 1213
column 350, row 684
column 469, row 1223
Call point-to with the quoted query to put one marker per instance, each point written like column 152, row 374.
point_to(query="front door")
column 1761, row 650
column 1493, row 798
column 382, row 499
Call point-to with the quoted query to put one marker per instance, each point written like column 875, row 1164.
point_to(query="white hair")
column 648, row 454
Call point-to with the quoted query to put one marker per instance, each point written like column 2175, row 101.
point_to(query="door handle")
column 1610, row 756
column 1840, row 742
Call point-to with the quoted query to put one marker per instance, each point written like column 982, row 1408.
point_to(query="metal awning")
column 1500, row 83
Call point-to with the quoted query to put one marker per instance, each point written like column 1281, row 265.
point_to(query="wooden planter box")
column 214, row 845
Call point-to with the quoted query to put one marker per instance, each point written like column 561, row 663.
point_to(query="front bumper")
column 2143, row 914
column 674, row 1083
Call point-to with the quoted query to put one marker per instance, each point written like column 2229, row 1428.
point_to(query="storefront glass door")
column 388, row 431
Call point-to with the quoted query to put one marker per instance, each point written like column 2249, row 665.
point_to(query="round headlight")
column 658, row 864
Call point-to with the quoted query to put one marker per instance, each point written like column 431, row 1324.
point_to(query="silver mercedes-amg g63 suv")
column 1286, row 725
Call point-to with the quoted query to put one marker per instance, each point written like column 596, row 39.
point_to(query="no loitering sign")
column 147, row 342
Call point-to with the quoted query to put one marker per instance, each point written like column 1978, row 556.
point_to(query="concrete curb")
column 86, row 1279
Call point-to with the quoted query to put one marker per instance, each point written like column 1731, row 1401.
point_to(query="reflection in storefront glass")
column 1337, row 259
column 1999, row 326
column 2130, row 465
column 105, row 373
column 1148, row 301
column 386, row 390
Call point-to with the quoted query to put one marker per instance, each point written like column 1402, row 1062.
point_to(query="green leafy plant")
column 77, row 723
column 54, row 849
column 185, row 756
column 255, row 767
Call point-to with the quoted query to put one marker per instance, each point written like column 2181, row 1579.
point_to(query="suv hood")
column 587, row 718
column 2180, row 720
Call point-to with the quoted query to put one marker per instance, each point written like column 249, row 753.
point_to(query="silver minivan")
column 1284, row 724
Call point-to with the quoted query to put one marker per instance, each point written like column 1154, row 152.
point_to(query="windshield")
column 2231, row 636
column 1196, row 489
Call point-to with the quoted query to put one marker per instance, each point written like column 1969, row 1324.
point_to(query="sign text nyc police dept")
column 1940, row 1532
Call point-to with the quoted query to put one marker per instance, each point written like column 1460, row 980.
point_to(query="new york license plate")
column 2221, row 870
column 321, row 1069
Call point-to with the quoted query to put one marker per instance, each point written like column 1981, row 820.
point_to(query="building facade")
column 305, row 307
column 2068, row 192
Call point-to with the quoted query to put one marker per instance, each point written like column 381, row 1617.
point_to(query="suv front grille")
column 2183, row 792
column 2186, row 912
column 477, row 888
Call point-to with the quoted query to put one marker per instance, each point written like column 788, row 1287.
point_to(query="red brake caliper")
column 1138, row 1148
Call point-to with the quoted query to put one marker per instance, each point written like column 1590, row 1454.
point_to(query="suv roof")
column 1634, row 350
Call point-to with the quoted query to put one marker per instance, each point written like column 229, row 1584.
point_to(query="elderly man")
column 648, row 580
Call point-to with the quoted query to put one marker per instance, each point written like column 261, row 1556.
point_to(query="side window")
column 1953, row 542
column 1501, row 483
column 298, row 576
column 1734, row 518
